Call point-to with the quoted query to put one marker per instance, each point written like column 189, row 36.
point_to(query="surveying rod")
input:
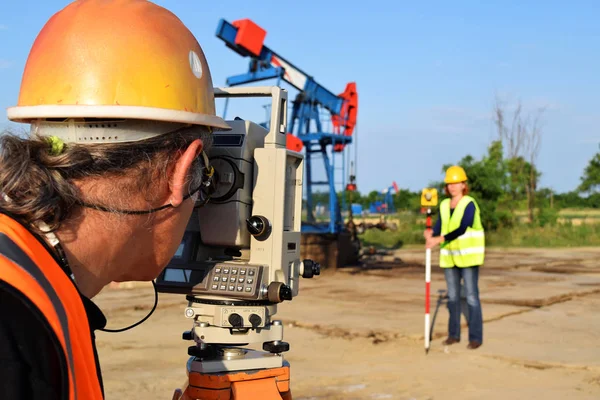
column 428, row 201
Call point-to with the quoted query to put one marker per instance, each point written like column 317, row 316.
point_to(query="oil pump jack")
column 329, row 242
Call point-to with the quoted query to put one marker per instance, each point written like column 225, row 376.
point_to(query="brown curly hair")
column 37, row 186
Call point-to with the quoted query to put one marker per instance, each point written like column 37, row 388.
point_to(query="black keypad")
column 236, row 280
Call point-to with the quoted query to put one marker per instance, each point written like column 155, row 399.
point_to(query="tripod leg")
column 180, row 394
column 437, row 308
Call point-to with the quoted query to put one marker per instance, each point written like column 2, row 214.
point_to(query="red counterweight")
column 345, row 122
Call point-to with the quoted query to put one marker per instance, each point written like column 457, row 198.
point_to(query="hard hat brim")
column 31, row 113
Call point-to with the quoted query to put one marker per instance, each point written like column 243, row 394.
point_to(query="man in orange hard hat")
column 460, row 233
column 120, row 101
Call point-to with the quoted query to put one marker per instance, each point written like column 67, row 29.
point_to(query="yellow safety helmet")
column 455, row 174
column 123, row 60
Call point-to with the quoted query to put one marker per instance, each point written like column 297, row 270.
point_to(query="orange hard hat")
column 121, row 59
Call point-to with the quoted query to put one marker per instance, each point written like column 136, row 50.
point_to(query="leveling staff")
column 121, row 104
column 459, row 232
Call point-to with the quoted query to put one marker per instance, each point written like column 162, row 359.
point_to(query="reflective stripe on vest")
column 467, row 250
column 26, row 265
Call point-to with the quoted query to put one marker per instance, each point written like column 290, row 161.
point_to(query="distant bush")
column 547, row 217
column 557, row 235
column 546, row 232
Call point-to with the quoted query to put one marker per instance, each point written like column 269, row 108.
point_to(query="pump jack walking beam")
column 307, row 126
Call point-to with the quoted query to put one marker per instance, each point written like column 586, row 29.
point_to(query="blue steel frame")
column 311, row 99
column 389, row 201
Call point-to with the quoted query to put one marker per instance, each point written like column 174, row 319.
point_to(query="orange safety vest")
column 26, row 265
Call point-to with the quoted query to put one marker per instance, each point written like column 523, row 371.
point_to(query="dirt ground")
column 357, row 333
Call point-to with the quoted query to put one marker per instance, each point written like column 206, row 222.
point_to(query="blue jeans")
column 470, row 276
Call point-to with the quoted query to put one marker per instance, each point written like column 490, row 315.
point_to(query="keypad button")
column 251, row 272
column 231, row 287
column 225, row 270
column 217, row 270
column 215, row 286
column 250, row 280
column 224, row 279
column 234, row 271
column 242, row 271
column 232, row 279
column 248, row 289
column 223, row 287
column 241, row 280
column 240, row 288
column 216, row 279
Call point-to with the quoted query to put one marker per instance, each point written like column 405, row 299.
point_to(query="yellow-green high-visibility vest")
column 467, row 250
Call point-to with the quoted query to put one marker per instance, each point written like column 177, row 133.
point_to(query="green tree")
column 590, row 181
column 521, row 132
column 593, row 200
column 407, row 200
column 487, row 183
column 523, row 178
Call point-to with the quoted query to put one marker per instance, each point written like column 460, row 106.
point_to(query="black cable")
column 137, row 212
column 238, row 159
column 205, row 187
column 139, row 322
column 230, row 201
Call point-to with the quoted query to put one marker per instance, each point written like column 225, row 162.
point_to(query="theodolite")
column 240, row 258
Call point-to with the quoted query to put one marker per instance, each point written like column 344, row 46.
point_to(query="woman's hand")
column 427, row 233
column 433, row 241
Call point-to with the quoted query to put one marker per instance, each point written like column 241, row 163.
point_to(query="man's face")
column 168, row 235
column 149, row 249
column 155, row 242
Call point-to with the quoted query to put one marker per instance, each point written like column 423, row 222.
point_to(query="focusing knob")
column 311, row 269
column 278, row 292
column 255, row 320
column 187, row 335
column 236, row 320
column 258, row 226
column 285, row 292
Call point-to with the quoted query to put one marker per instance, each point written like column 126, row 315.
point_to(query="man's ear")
column 179, row 178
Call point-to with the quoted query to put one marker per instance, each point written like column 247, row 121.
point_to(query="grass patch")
column 580, row 212
column 392, row 240
column 522, row 235
column 579, row 216
column 559, row 235
column 567, row 213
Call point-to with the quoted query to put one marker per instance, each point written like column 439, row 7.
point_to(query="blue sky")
column 427, row 72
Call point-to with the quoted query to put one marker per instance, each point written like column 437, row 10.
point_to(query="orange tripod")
column 267, row 384
column 233, row 372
